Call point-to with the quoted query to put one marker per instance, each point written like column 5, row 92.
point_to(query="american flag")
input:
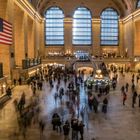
column 5, row 32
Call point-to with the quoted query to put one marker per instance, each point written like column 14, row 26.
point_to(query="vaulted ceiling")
column 124, row 7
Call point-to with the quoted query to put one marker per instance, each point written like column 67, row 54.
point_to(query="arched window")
column 82, row 27
column 138, row 4
column 54, row 26
column 109, row 27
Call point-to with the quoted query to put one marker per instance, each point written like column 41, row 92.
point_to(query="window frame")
column 118, row 29
column 91, row 34
column 45, row 27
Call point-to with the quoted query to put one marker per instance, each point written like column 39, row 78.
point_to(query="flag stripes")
column 5, row 32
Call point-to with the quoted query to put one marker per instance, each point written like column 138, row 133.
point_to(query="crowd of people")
column 126, row 86
column 68, row 96
column 76, row 127
column 124, row 90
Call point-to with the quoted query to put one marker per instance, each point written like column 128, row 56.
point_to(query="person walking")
column 66, row 129
column 22, row 102
column 74, row 126
column 9, row 91
column 133, row 87
column 20, row 81
column 139, row 99
column 104, row 107
column 134, row 98
column 95, row 104
column 124, row 97
column 126, row 87
column 55, row 97
column 122, row 89
column 54, row 120
column 81, row 129
column 58, row 123
column 41, row 127
column 14, row 81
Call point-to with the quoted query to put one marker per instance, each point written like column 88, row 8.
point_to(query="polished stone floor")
column 120, row 122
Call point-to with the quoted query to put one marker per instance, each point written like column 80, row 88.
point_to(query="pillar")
column 68, row 35
column 19, row 35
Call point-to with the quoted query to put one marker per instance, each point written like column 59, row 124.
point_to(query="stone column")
column 30, row 33
column 19, row 33
column 96, row 49
column 26, row 37
column 41, row 50
column 137, row 38
column 35, row 34
column 68, row 35
column 129, row 37
column 7, row 51
column 121, row 49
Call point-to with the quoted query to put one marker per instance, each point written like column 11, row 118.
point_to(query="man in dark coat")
column 95, row 104
column 66, row 129
column 104, row 107
column 81, row 129
column 134, row 98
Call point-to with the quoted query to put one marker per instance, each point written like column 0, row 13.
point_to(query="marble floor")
column 120, row 122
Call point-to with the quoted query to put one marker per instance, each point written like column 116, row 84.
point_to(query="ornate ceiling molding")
column 124, row 6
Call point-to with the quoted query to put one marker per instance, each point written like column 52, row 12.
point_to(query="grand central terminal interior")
column 69, row 69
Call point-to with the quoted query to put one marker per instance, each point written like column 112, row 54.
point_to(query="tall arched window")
column 109, row 27
column 82, row 27
column 54, row 26
column 138, row 4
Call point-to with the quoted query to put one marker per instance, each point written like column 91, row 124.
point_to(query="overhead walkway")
column 72, row 59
